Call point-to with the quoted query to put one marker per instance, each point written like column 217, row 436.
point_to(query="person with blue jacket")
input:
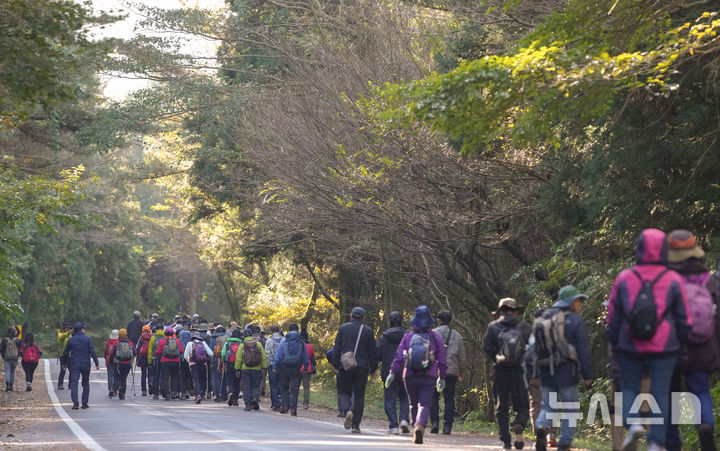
column 78, row 352
column 290, row 357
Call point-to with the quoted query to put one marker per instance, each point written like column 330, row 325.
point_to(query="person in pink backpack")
column 30, row 354
column 703, row 347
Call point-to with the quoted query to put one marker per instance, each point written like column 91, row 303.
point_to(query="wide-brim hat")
column 114, row 334
column 507, row 304
column 422, row 317
column 202, row 327
column 567, row 295
column 682, row 246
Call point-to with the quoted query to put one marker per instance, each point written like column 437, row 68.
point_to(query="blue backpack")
column 292, row 354
column 185, row 336
column 419, row 355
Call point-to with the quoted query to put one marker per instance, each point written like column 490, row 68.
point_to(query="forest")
column 335, row 153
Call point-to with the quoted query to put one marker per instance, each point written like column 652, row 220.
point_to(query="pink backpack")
column 702, row 308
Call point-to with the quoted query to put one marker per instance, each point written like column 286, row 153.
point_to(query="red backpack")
column 145, row 345
column 31, row 354
column 231, row 352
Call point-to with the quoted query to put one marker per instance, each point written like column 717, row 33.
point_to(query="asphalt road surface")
column 143, row 423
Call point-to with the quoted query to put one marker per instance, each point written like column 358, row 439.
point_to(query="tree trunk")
column 310, row 310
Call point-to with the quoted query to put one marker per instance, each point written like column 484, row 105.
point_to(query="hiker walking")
column 421, row 358
column 395, row 395
column 122, row 357
column 78, row 352
column 134, row 328
column 185, row 377
column 64, row 334
column 230, row 356
column 169, row 350
column 563, row 352
column 107, row 355
column 153, row 359
column 9, row 350
column 271, row 345
column 197, row 354
column 290, row 356
column 456, row 362
column 505, row 345
column 217, row 365
column 703, row 346
column 307, row 370
column 143, row 347
column 354, row 354
column 30, row 354
column 648, row 326
column 250, row 362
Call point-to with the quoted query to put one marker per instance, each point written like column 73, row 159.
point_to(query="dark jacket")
column 566, row 374
column 79, row 349
column 491, row 344
column 134, row 330
column 387, row 346
column 345, row 342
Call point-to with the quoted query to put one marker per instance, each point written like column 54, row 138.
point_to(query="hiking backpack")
column 31, row 354
column 123, row 352
column 292, row 353
column 185, row 336
column 231, row 352
column 252, row 355
column 419, row 355
column 643, row 318
column 171, row 349
column 512, row 347
column 144, row 347
column 702, row 308
column 198, row 353
column 11, row 350
column 551, row 345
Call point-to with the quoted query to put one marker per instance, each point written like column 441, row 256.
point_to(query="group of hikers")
column 12, row 349
column 661, row 326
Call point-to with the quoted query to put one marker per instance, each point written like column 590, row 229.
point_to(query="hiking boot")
column 540, row 439
column 435, row 428
column 155, row 396
column 121, row 397
column 198, row 399
column 75, row 407
column 356, row 430
column 293, row 412
column 275, row 409
column 518, row 440
column 447, row 429
column 404, row 427
column 394, row 431
column 706, row 432
column 418, row 434
column 305, row 406
column 283, row 410
column 144, row 393
column 256, row 405
column 28, row 389
column 85, row 406
column 563, row 447
column 230, row 399
column 247, row 408
column 60, row 387
column 348, row 419
column 110, row 394
column 634, row 433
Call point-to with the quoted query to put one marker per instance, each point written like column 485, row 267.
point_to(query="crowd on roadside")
column 661, row 327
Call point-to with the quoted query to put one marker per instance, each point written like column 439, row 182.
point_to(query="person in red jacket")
column 169, row 350
column 122, row 355
column 143, row 347
column 107, row 355
column 307, row 370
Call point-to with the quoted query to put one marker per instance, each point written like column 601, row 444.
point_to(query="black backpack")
column 512, row 347
column 643, row 320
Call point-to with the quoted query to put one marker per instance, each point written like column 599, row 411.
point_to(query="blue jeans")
column 660, row 370
column 698, row 383
column 565, row 395
column 75, row 373
column 392, row 395
column 274, row 380
column 10, row 366
column 218, row 382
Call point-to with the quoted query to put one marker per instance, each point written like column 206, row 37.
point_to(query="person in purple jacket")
column 421, row 357
column 655, row 347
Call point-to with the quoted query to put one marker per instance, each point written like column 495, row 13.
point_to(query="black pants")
column 29, row 369
column 121, row 373
column 289, row 386
column 185, row 378
column 509, row 385
column 170, row 377
column 144, row 372
column 353, row 387
column 232, row 378
column 61, row 376
column 199, row 375
column 154, row 377
column 449, row 397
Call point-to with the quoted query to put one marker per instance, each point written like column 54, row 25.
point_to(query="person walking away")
column 290, row 357
column 185, row 378
column 354, row 354
column 154, row 360
column 122, row 356
column 394, row 395
column 421, row 359
column 134, row 328
column 218, row 366
column 169, row 350
column 263, row 378
column 648, row 324
column 230, row 356
column 271, row 345
column 309, row 370
column 143, row 346
column 107, row 355
column 79, row 351
column 64, row 334
column 456, row 362
column 250, row 362
column 10, row 352
column 703, row 356
column 505, row 344
column 30, row 354
column 197, row 354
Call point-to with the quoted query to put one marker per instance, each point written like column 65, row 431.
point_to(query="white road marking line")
column 79, row 432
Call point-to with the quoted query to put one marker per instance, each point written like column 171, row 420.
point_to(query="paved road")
column 141, row 423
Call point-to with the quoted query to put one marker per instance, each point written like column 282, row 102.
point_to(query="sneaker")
column 447, row 428
column 518, row 439
column 404, row 427
column 348, row 419
column 144, row 393
column 634, row 433
column 275, row 409
column 356, row 430
column 247, row 408
column 541, row 439
column 85, row 406
column 75, row 407
column 293, row 412
column 28, row 389
column 121, row 397
column 60, row 387
column 198, row 399
column 283, row 410
column 305, row 406
column 394, row 431
column 434, row 429
column 418, row 434
column 256, row 405
column 110, row 394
